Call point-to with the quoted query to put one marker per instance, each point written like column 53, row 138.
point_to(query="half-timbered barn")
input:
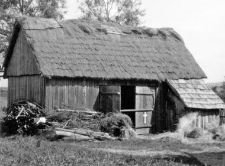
column 107, row 67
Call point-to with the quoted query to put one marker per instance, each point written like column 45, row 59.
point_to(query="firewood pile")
column 24, row 118
column 28, row 118
column 78, row 125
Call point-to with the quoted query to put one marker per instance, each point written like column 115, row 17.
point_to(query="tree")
column 220, row 90
column 9, row 9
column 123, row 12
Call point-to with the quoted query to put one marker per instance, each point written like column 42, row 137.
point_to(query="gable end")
column 22, row 60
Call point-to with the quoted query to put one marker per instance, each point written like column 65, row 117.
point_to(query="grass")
column 24, row 151
column 139, row 144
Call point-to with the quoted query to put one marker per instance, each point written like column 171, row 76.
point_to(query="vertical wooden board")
column 27, row 87
column 144, row 100
column 47, row 95
column 140, row 123
column 32, row 88
column 87, row 94
column 42, row 91
column 56, row 94
column 210, row 119
column 65, row 89
column 22, row 88
column 74, row 95
column 78, row 94
column 68, row 92
column 84, row 94
column 39, row 90
column 110, row 98
column 199, row 121
column 60, row 99
column 52, row 94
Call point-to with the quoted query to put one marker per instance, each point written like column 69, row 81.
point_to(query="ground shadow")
column 189, row 159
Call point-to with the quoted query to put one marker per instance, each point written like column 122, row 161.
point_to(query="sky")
column 201, row 23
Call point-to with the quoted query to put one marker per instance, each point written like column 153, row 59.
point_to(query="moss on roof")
column 75, row 48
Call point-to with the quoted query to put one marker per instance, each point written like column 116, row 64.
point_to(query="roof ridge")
column 89, row 26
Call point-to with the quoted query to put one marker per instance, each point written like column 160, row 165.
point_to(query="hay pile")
column 186, row 129
column 119, row 125
column 186, row 124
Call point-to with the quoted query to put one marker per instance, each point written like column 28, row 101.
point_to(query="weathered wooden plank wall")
column 159, row 114
column 22, row 61
column 81, row 93
column 26, row 87
column 205, row 117
column 71, row 92
column 110, row 98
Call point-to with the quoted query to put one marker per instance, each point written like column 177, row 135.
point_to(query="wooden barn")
column 107, row 67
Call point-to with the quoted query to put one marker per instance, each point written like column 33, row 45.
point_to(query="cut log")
column 86, row 132
column 78, row 111
column 73, row 136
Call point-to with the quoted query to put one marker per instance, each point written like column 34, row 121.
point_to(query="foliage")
column 220, row 90
column 126, row 12
column 9, row 9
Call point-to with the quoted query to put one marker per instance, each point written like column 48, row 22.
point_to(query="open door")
column 144, row 106
column 110, row 98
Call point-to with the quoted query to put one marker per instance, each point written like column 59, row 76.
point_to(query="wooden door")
column 110, row 98
column 144, row 105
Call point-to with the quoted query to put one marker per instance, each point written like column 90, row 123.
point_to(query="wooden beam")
column 137, row 110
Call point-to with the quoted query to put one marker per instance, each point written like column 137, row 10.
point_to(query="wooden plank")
column 137, row 110
column 70, row 93
column 110, row 101
column 144, row 100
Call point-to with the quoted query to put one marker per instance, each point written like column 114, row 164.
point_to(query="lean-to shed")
column 100, row 66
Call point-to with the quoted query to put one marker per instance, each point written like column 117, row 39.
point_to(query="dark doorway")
column 128, row 101
column 127, row 97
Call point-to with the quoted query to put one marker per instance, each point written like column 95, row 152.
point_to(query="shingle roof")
column 75, row 48
column 196, row 94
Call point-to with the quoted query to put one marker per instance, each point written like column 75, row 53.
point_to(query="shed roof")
column 196, row 94
column 75, row 48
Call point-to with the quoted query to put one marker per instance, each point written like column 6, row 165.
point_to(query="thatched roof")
column 75, row 48
column 196, row 94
